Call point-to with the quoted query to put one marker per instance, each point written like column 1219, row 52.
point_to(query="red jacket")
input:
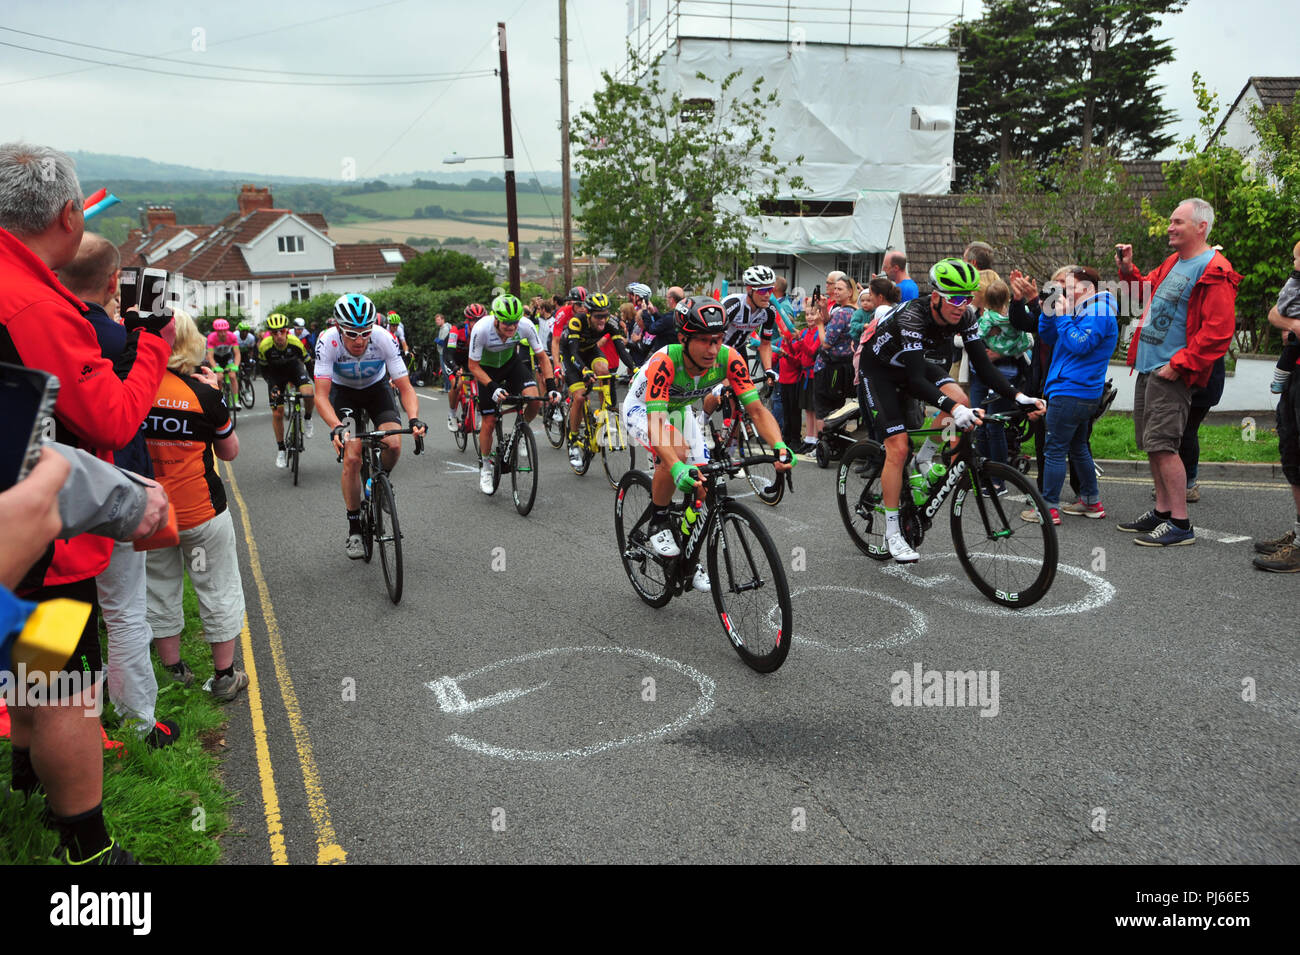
column 1211, row 317
column 42, row 325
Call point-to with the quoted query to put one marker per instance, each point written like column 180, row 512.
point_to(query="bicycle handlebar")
column 370, row 437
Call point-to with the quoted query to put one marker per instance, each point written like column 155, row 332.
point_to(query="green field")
column 402, row 203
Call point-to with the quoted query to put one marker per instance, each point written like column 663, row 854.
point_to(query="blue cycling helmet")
column 354, row 312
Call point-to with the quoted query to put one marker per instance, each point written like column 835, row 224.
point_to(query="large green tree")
column 667, row 182
column 441, row 269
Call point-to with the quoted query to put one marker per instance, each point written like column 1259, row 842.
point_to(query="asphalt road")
column 501, row 712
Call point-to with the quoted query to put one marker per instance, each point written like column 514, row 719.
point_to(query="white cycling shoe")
column 485, row 479
column 308, row 428
column 281, row 459
column 900, row 549
column 664, row 544
column 575, row 455
column 701, row 580
column 451, row 424
column 354, row 548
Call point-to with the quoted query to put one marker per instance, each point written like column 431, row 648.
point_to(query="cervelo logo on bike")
column 954, row 475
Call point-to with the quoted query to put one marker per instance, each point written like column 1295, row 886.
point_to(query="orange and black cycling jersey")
column 186, row 418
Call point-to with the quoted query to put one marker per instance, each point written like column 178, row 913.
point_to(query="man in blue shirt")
column 896, row 272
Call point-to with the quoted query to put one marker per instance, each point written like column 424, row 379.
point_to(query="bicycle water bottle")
column 920, row 487
column 368, row 481
column 935, row 473
column 688, row 520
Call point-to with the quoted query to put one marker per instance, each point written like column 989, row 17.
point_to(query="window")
column 931, row 118
column 299, row 291
column 234, row 295
column 858, row 267
column 290, row 243
column 393, row 256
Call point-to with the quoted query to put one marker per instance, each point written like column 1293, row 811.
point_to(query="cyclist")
column 751, row 312
column 638, row 293
column 457, row 357
column 248, row 347
column 575, row 304
column 583, row 359
column 353, row 362
column 394, row 326
column 284, row 359
column 223, row 354
column 893, row 366
column 495, row 363
column 657, row 410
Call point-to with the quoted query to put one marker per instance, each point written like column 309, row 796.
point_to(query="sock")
column 354, row 521
column 1280, row 375
column 279, row 445
column 306, row 415
column 24, row 775
column 891, row 521
column 228, row 671
column 84, row 835
column 659, row 514
column 1163, row 515
column 1182, row 523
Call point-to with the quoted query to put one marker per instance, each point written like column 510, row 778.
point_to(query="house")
column 1261, row 92
column 258, row 257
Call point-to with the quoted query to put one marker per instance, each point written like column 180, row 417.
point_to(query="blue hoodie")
column 1082, row 343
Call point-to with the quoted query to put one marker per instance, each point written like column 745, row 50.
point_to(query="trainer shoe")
column 180, row 672
column 1284, row 560
column 1143, row 525
column 485, row 478
column 355, row 548
column 900, row 549
column 163, row 734
column 1276, row 544
column 112, row 854
column 281, row 459
column 1031, row 516
column 308, row 427
column 661, row 539
column 1080, row 509
column 226, row 688
column 701, row 580
column 1166, row 534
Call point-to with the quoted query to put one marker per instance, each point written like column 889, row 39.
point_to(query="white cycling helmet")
column 639, row 289
column 759, row 276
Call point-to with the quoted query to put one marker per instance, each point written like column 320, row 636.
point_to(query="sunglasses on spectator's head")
column 958, row 300
column 356, row 335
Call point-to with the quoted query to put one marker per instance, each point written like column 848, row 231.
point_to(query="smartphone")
column 817, row 293
column 153, row 291
column 27, row 399
column 128, row 289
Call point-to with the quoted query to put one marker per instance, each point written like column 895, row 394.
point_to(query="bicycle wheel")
column 584, row 445
column 292, row 444
column 523, row 468
column 388, row 535
column 647, row 571
column 554, row 423
column 857, row 490
column 228, row 398
column 461, row 433
column 499, row 462
column 1010, row 560
column 616, row 454
column 747, row 578
column 247, row 394
column 769, row 487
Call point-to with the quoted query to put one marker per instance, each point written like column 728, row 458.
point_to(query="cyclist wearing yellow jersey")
column 583, row 359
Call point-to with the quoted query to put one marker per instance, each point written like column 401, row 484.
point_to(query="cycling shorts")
column 886, row 389
column 377, row 402
column 514, row 376
column 637, row 421
column 278, row 377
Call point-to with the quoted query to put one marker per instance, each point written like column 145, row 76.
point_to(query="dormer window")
column 290, row 243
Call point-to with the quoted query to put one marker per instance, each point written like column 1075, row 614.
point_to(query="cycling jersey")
column 186, row 418
column 743, row 319
column 664, row 385
column 293, row 351
column 910, row 327
column 490, row 350
column 457, row 353
column 580, row 345
column 223, row 346
column 381, row 357
column 248, row 341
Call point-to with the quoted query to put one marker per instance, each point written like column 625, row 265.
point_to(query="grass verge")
column 166, row 806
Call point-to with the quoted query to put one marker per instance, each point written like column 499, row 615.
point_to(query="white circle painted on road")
column 916, row 627
column 1099, row 591
column 452, row 700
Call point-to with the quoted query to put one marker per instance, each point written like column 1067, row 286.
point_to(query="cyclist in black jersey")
column 583, row 359
column 893, row 364
column 752, row 311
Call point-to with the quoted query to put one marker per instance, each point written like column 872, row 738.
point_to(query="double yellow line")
column 328, row 851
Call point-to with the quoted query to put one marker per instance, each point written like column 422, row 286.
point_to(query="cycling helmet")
column 578, row 295
column 300, row 323
column 702, row 316
column 507, row 309
column 277, row 320
column 759, row 276
column 475, row 311
column 354, row 312
column 381, row 318
column 394, row 318
column 221, row 325
column 954, row 277
column 598, row 302
column 245, row 327
column 640, row 290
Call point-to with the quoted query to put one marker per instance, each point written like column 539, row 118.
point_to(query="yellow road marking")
column 1264, row 485
column 274, row 827
column 328, row 851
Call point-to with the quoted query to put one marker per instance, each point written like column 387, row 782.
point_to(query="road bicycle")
column 749, row 587
column 228, row 394
column 602, row 431
column 467, row 422
column 739, row 432
column 293, row 436
column 1011, row 561
column 379, row 524
column 516, row 455
column 247, row 393
column 555, row 421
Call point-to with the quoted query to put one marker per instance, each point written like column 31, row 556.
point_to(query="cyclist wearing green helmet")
column 894, row 368
column 495, row 364
column 397, row 331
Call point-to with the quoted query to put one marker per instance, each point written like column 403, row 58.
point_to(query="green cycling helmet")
column 507, row 309
column 245, row 327
column 954, row 277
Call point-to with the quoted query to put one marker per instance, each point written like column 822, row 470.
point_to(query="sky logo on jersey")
column 359, row 370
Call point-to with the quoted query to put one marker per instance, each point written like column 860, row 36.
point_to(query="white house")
column 1259, row 92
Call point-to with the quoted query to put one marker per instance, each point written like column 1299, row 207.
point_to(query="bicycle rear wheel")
column 747, row 578
column 292, row 443
column 616, row 454
column 462, row 429
column 555, row 423
column 523, row 468
column 228, row 397
column 769, row 487
column 647, row 571
column 858, row 494
column 1011, row 561
column 247, row 394
column 388, row 535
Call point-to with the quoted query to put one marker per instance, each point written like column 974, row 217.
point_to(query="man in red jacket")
column 42, row 325
column 1187, row 327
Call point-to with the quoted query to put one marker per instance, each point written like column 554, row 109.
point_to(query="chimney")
column 250, row 198
column 156, row 216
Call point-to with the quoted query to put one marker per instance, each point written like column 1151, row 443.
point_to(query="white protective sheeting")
column 867, row 230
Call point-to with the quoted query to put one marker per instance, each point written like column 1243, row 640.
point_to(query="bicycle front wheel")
column 769, row 487
column 1012, row 561
column 388, row 535
column 293, row 445
column 555, row 422
column 616, row 454
column 646, row 570
column 523, row 469
column 748, row 583
column 858, row 493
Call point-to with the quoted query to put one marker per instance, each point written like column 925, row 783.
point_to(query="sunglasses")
column 355, row 335
column 958, row 300
column 765, row 290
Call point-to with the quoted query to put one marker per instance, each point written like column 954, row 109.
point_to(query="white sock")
column 891, row 521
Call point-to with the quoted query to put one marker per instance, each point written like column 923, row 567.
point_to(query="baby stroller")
column 840, row 431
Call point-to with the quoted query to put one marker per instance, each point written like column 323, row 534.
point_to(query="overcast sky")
column 389, row 128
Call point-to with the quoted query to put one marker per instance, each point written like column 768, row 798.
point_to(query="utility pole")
column 567, row 202
column 512, row 209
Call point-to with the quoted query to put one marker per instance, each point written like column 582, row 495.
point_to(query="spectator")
column 833, row 370
column 1286, row 362
column 1282, row 555
column 440, row 350
column 785, row 320
column 189, row 403
column 896, row 272
column 876, row 301
column 630, row 319
column 92, row 277
column 42, row 326
column 1188, row 327
column 1081, row 331
column 1006, row 346
column 1189, row 448
column 980, row 255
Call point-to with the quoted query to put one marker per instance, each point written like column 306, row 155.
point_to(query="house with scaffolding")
column 866, row 99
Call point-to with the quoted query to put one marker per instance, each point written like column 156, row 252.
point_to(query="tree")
column 655, row 167
column 546, row 260
column 442, row 269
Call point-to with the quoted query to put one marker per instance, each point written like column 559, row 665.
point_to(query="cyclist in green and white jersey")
column 499, row 371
